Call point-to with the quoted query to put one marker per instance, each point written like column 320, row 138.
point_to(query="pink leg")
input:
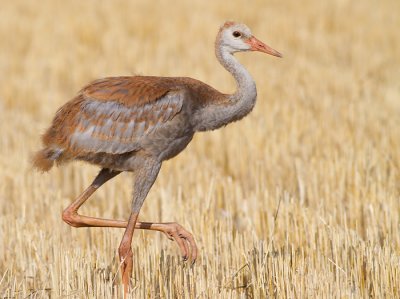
column 125, row 252
column 172, row 230
column 144, row 181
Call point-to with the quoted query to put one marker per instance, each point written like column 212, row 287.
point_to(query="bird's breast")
column 168, row 141
column 175, row 147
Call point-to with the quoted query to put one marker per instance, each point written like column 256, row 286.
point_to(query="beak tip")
column 257, row 45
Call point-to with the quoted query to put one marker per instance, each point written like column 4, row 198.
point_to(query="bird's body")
column 135, row 123
column 119, row 121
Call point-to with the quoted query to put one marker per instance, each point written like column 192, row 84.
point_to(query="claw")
column 184, row 239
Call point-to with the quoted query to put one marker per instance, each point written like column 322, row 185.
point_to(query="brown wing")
column 112, row 115
column 140, row 90
column 137, row 90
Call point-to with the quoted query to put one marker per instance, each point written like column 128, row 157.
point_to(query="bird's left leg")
column 144, row 180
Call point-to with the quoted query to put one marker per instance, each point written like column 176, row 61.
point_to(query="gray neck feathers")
column 236, row 106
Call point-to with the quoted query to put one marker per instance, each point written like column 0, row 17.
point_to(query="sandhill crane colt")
column 135, row 123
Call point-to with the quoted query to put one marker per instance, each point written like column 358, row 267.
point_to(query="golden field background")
column 298, row 200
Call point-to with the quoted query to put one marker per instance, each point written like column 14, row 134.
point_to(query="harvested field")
column 301, row 199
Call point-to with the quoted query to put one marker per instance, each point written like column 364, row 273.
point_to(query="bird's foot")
column 184, row 239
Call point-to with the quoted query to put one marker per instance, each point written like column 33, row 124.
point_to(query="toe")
column 182, row 245
column 189, row 239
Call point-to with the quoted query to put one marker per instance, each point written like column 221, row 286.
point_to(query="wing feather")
column 115, row 128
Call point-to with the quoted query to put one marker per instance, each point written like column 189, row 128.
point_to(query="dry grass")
column 323, row 144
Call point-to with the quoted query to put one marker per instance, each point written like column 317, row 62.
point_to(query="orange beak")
column 257, row 45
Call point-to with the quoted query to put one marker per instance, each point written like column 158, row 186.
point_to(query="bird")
column 134, row 123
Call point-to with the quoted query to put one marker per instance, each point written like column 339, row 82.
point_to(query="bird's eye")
column 236, row 34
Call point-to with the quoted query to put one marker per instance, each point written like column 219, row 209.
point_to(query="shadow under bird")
column 135, row 123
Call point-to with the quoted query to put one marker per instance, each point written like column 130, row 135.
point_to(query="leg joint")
column 71, row 218
column 125, row 251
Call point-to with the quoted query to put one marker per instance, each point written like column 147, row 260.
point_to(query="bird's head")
column 235, row 37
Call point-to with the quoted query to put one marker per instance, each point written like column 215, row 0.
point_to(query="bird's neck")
column 235, row 106
column 246, row 91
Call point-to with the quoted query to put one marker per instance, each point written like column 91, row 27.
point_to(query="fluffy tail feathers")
column 44, row 159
